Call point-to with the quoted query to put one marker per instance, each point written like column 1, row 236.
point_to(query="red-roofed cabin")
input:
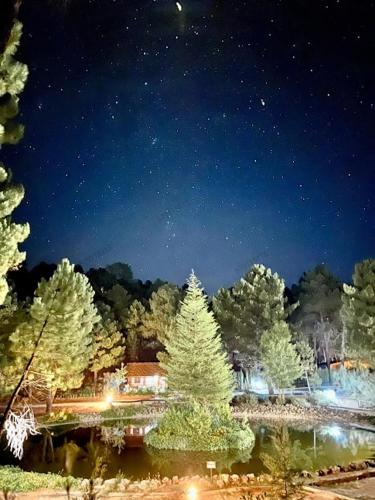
column 146, row 376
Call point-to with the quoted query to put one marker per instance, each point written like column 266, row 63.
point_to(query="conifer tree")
column 11, row 234
column 120, row 301
column 287, row 457
column 318, row 316
column 64, row 312
column 160, row 319
column 358, row 311
column 307, row 357
column 252, row 306
column 108, row 348
column 196, row 366
column 13, row 76
column 281, row 363
column 134, row 325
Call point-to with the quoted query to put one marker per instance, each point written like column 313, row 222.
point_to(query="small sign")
column 211, row 465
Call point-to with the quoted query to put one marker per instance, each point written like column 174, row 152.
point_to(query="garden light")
column 192, row 493
column 330, row 394
column 109, row 399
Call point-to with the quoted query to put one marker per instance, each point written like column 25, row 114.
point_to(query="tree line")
column 73, row 323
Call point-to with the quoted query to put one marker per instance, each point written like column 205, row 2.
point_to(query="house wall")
column 155, row 381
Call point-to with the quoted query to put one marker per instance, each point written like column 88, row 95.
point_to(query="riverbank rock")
column 225, row 478
column 109, row 485
column 123, row 484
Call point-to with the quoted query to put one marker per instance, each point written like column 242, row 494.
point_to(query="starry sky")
column 206, row 135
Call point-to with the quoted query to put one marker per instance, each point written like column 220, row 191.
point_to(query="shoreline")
column 166, row 487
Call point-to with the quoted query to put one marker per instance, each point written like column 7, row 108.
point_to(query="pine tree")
column 281, row 362
column 196, row 366
column 134, row 325
column 251, row 307
column 319, row 295
column 287, row 457
column 13, row 76
column 121, row 271
column 12, row 314
column 120, row 301
column 358, row 311
column 11, row 234
column 108, row 348
column 318, row 315
column 64, row 312
column 307, row 357
column 159, row 321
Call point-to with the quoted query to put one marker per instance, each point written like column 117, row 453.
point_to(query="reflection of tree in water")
column 65, row 457
column 350, row 439
column 193, row 462
column 286, row 456
column 48, row 450
column 97, row 456
column 113, row 436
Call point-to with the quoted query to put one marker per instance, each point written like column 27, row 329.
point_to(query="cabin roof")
column 148, row 369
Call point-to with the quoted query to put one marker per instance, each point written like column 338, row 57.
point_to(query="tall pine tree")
column 196, row 366
column 318, row 315
column 252, row 306
column 11, row 234
column 134, row 326
column 13, row 75
column 63, row 310
column 358, row 312
column 160, row 319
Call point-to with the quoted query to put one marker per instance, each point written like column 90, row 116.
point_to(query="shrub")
column 248, row 400
column 300, row 402
column 113, row 381
column 197, row 427
column 57, row 417
column 122, row 412
column 315, row 379
column 15, row 479
column 358, row 384
column 83, row 392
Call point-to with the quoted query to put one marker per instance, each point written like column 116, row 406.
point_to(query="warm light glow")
column 192, row 493
column 109, row 399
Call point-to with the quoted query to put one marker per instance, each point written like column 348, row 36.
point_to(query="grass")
column 14, row 479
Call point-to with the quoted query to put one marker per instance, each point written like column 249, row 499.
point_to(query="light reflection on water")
column 115, row 447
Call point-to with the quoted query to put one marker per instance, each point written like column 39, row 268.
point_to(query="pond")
column 117, row 447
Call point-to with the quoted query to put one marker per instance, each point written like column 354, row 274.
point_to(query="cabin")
column 146, row 376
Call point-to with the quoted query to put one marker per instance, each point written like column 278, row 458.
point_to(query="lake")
column 117, row 447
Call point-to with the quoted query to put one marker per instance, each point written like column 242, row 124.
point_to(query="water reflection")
column 352, row 440
column 195, row 463
column 106, row 450
column 113, row 436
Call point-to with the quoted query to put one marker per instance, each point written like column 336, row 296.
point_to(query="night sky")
column 212, row 137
